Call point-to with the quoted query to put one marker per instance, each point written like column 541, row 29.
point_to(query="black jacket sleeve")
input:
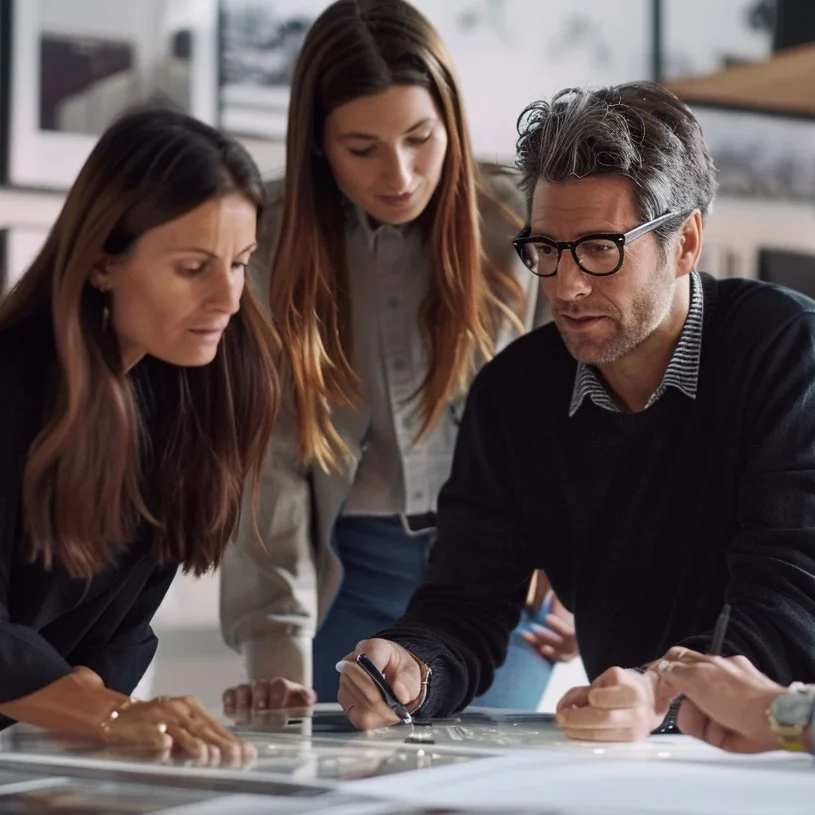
column 122, row 655
column 459, row 621
column 771, row 560
column 27, row 661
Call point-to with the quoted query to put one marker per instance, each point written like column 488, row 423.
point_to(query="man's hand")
column 620, row 705
column 726, row 700
column 360, row 698
column 557, row 641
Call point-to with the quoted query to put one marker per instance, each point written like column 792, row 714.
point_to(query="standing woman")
column 386, row 257
column 138, row 397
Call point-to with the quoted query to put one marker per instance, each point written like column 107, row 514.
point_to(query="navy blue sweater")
column 646, row 523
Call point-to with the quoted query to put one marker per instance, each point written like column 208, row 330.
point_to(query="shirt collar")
column 682, row 372
column 371, row 235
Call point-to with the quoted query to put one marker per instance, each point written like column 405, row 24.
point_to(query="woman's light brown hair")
column 84, row 496
column 357, row 48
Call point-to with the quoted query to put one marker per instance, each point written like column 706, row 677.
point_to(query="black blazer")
column 49, row 621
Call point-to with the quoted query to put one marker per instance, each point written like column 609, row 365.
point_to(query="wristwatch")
column 790, row 713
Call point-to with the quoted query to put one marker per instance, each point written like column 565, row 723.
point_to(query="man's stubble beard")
column 649, row 310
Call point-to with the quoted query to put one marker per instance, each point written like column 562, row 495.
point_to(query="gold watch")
column 790, row 713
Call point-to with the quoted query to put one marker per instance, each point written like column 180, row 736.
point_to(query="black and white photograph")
column 92, row 60
column 542, row 45
column 699, row 37
column 509, row 53
column 761, row 155
column 259, row 44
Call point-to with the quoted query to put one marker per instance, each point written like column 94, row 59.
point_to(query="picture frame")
column 735, row 32
column 760, row 155
column 541, row 46
column 258, row 45
column 5, row 75
column 92, row 60
column 260, row 40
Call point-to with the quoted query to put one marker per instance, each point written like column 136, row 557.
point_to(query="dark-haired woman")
column 138, row 399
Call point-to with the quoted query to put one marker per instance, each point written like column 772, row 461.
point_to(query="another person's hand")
column 177, row 723
column 266, row 694
column 557, row 640
column 726, row 700
column 620, row 705
column 360, row 698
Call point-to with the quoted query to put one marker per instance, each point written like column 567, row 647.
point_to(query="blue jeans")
column 383, row 566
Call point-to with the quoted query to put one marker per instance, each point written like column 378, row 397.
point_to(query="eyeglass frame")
column 621, row 239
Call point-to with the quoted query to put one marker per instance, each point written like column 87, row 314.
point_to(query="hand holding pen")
column 380, row 683
column 724, row 699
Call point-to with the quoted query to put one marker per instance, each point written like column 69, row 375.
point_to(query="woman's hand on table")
column 178, row 724
column 78, row 705
column 267, row 702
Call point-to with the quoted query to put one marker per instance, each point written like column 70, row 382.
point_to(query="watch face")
column 793, row 708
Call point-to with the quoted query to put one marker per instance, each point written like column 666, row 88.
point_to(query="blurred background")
column 747, row 67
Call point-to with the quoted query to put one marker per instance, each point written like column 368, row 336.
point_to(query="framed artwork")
column 77, row 65
column 19, row 246
column 761, row 155
column 510, row 53
column 5, row 73
column 540, row 46
column 259, row 44
column 734, row 31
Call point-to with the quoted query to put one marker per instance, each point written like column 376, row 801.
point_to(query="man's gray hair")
column 640, row 131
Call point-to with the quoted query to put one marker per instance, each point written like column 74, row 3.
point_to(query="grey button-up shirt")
column 682, row 371
column 389, row 276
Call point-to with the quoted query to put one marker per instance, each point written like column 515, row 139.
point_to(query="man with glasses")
column 653, row 450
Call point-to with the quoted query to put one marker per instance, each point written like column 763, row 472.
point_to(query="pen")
column 719, row 631
column 385, row 689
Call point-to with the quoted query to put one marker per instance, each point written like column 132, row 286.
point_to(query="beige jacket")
column 274, row 597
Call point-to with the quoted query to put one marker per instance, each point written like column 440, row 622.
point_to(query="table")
column 480, row 761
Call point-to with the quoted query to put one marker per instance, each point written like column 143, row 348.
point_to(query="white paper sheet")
column 573, row 782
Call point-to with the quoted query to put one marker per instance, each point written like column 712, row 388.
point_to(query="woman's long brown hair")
column 86, row 494
column 356, row 48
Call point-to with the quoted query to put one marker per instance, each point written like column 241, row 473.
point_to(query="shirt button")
column 399, row 365
column 393, row 302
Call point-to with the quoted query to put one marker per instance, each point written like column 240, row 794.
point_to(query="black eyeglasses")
column 597, row 255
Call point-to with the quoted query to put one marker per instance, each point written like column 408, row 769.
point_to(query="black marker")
column 385, row 689
column 719, row 631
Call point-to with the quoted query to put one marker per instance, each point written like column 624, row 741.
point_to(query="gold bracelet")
column 424, row 673
column 114, row 714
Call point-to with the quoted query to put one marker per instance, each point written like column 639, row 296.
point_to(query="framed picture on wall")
column 19, row 246
column 760, row 155
column 540, row 46
column 734, row 32
column 258, row 47
column 510, row 53
column 77, row 65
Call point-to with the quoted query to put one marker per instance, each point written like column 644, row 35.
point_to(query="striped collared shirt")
column 682, row 371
